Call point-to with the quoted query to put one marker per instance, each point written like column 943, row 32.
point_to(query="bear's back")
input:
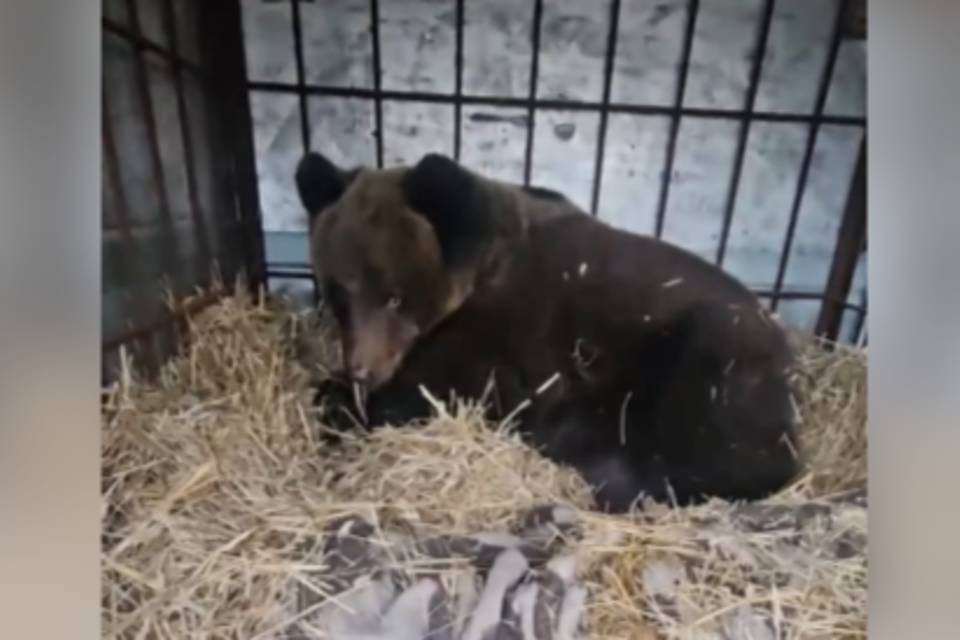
column 576, row 281
column 585, row 268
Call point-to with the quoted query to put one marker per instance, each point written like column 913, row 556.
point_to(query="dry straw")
column 218, row 485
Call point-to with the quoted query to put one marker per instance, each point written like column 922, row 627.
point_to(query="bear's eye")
column 394, row 302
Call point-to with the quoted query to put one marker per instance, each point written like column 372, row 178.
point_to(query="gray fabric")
column 529, row 592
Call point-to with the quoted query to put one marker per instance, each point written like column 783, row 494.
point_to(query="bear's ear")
column 320, row 183
column 456, row 204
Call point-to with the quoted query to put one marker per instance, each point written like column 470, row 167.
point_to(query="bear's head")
column 396, row 251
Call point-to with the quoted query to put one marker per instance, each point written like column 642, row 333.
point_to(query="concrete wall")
column 417, row 51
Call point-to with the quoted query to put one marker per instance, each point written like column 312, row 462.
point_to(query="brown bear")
column 648, row 369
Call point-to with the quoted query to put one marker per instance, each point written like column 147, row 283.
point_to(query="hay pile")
column 218, row 488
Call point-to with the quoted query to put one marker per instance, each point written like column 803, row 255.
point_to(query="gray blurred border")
column 49, row 318
column 914, row 226
column 49, row 274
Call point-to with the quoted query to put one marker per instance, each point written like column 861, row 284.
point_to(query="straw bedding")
column 220, row 488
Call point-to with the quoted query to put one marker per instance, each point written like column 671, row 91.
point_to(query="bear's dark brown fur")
column 648, row 369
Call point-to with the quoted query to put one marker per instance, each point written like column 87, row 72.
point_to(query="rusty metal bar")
column 850, row 237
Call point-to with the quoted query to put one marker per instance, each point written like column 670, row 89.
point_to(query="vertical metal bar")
column 760, row 50
column 822, row 92
column 859, row 336
column 605, row 103
column 244, row 168
column 850, row 237
column 224, row 57
column 377, row 98
column 117, row 29
column 124, row 219
column 458, row 81
column 532, row 94
column 301, row 73
column 112, row 166
column 199, row 224
column 152, row 355
column 301, row 84
column 146, row 101
column 692, row 9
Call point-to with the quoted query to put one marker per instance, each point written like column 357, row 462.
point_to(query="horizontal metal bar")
column 290, row 264
column 292, row 271
column 180, row 312
column 557, row 105
column 292, row 274
column 145, row 44
column 807, row 295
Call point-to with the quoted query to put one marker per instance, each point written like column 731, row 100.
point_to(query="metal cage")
column 153, row 31
column 847, row 23
column 179, row 192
